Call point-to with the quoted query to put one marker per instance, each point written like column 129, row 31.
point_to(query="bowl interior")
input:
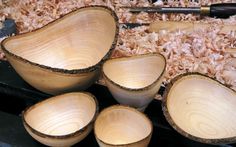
column 78, row 40
column 122, row 125
column 61, row 115
column 203, row 107
column 135, row 72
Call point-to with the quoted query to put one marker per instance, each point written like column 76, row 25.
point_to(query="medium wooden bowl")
column 61, row 120
column 135, row 80
column 201, row 108
column 122, row 126
column 65, row 55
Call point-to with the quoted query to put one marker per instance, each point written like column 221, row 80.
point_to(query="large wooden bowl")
column 135, row 80
column 122, row 126
column 65, row 55
column 201, row 109
column 61, row 120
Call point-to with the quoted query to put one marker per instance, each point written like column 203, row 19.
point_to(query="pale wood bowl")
column 62, row 120
column 201, row 108
column 65, row 55
column 135, row 80
column 122, row 126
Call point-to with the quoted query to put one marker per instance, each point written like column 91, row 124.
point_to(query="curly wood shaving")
column 203, row 50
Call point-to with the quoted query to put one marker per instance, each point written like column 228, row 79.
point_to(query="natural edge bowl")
column 201, row 108
column 65, row 55
column 62, row 120
column 135, row 80
column 118, row 126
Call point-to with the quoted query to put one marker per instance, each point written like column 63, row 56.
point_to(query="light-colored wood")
column 229, row 72
column 66, row 54
column 231, row 51
column 135, row 81
column 122, row 126
column 202, row 109
column 62, row 120
column 187, row 26
column 171, row 26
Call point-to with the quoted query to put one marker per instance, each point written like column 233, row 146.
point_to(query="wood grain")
column 134, row 81
column 67, row 52
column 62, row 120
column 121, row 125
column 202, row 109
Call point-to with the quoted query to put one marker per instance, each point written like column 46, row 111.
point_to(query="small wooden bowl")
column 201, row 108
column 62, row 120
column 65, row 55
column 135, row 80
column 122, row 126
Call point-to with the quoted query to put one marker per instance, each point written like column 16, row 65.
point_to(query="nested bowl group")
column 67, row 54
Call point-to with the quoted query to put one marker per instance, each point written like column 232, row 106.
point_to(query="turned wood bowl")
column 122, row 126
column 65, row 55
column 62, row 120
column 201, row 108
column 135, row 80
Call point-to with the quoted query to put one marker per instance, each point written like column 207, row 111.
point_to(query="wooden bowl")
column 201, row 108
column 65, row 55
column 135, row 80
column 122, row 126
column 61, row 120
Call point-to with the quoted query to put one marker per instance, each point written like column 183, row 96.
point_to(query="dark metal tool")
column 9, row 27
column 133, row 25
column 221, row 10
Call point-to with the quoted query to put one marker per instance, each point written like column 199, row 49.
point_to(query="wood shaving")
column 201, row 51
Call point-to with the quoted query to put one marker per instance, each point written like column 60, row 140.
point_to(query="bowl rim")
column 73, row 134
column 119, row 106
column 179, row 129
column 137, row 57
column 61, row 70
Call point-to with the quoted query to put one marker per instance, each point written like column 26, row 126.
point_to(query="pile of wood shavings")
column 198, row 51
column 201, row 50
column 33, row 14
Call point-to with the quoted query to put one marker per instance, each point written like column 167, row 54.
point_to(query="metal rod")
column 195, row 10
column 133, row 25
column 188, row 10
